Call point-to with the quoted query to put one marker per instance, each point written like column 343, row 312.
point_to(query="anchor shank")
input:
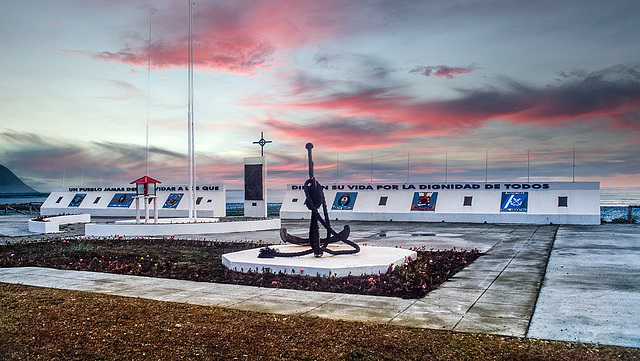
column 309, row 146
column 314, row 235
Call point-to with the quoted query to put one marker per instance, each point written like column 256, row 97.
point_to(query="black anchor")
column 314, row 199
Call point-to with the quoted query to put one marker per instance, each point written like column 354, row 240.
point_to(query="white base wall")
column 178, row 227
column 52, row 224
column 44, row 227
column 454, row 218
column 255, row 209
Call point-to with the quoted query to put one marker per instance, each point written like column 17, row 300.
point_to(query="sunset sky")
column 387, row 91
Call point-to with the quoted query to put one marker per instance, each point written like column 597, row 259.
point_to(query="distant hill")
column 10, row 183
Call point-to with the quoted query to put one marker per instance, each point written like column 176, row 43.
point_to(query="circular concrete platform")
column 370, row 260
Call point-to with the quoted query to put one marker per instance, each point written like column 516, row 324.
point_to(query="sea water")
column 614, row 203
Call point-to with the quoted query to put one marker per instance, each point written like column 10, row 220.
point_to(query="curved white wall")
column 102, row 202
column 540, row 202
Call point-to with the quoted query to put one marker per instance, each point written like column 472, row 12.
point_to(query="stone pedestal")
column 369, row 261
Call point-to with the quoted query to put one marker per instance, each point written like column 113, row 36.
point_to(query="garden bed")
column 196, row 260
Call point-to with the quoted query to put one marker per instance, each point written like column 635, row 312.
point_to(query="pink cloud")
column 402, row 113
column 234, row 37
column 383, row 117
column 342, row 135
column 56, row 21
column 448, row 72
column 240, row 56
column 444, row 71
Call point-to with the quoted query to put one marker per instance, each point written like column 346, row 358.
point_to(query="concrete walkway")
column 591, row 291
column 496, row 294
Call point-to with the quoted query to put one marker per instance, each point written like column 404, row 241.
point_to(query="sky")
column 387, row 91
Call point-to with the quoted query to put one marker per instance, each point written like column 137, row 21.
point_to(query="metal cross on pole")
column 262, row 143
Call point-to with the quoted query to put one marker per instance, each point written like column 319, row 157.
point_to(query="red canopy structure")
column 145, row 186
column 145, row 179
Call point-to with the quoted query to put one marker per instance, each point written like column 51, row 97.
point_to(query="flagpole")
column 574, row 165
column 192, row 213
column 371, row 179
column 337, row 168
column 486, row 162
column 408, row 167
column 528, row 164
column 446, row 166
column 148, row 96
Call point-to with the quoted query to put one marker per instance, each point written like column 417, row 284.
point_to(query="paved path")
column 589, row 291
column 496, row 294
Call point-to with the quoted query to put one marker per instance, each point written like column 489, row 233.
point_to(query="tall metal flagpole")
column 192, row 172
column 528, row 165
column 486, row 167
column 573, row 172
column 408, row 168
column 148, row 97
column 371, row 180
column 446, row 166
column 337, row 168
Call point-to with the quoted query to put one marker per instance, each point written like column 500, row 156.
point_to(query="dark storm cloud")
column 607, row 93
column 40, row 158
column 21, row 138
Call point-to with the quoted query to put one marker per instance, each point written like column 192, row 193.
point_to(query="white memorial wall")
column 120, row 201
column 473, row 202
